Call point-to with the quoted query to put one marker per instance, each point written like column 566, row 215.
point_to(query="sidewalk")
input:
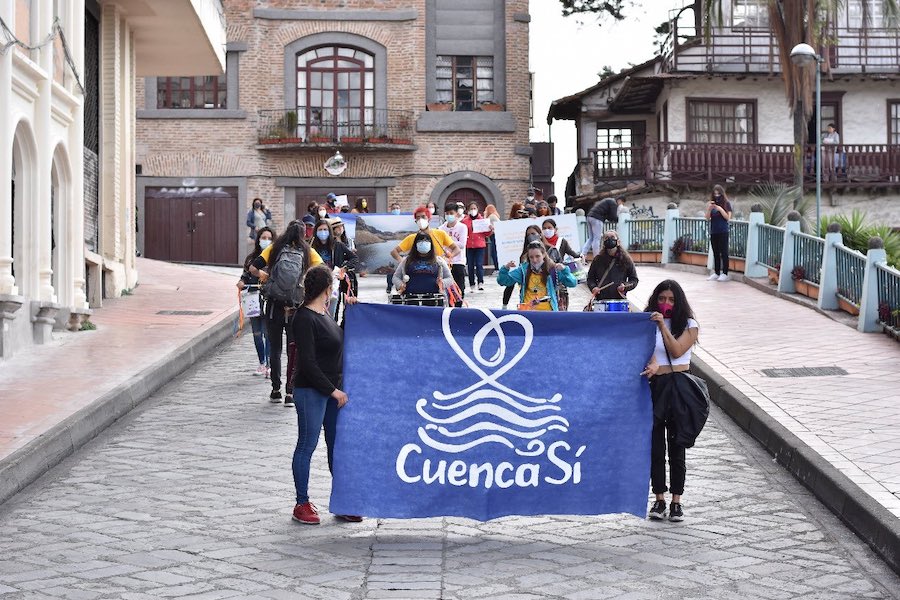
column 54, row 398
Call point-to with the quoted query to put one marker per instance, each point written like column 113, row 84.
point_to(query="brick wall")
column 227, row 147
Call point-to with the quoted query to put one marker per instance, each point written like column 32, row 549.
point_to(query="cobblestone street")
column 190, row 496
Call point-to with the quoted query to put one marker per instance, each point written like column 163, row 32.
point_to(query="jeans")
column 475, row 263
column 661, row 437
column 719, row 243
column 595, row 235
column 260, row 339
column 459, row 276
column 276, row 325
column 492, row 251
column 313, row 411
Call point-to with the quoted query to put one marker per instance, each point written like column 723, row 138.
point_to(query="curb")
column 868, row 519
column 24, row 466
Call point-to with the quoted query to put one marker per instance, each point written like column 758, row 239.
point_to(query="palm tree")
column 793, row 22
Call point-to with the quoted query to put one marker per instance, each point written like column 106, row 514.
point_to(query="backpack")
column 285, row 283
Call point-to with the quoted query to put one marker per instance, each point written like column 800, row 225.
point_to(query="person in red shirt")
column 475, row 247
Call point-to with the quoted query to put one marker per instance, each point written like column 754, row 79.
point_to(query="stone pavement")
column 54, row 398
column 190, row 496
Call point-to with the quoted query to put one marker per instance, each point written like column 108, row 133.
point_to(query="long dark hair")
column 257, row 249
column 359, row 207
column 540, row 237
column 292, row 236
column 682, row 311
column 317, row 244
column 316, row 281
column 431, row 257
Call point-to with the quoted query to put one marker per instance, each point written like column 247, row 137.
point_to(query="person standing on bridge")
column 677, row 332
column 317, row 384
column 718, row 212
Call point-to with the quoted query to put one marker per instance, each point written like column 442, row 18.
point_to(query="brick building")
column 372, row 78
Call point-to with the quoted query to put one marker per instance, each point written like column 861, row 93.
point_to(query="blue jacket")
column 519, row 275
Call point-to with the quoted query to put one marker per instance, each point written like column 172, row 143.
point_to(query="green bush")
column 856, row 232
column 778, row 200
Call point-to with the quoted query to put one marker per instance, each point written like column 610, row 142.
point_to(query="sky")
column 566, row 53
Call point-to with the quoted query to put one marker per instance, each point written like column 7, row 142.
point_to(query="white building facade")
column 67, row 210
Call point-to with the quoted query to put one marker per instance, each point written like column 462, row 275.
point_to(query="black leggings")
column 276, row 327
column 459, row 276
column 662, row 437
column 720, row 252
column 507, row 294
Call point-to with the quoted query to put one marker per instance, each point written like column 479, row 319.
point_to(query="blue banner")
column 481, row 414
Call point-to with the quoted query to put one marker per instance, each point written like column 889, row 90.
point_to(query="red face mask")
column 666, row 309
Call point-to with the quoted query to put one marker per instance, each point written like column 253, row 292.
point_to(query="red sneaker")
column 306, row 513
column 350, row 518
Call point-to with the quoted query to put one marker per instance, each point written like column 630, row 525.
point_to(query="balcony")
column 312, row 128
column 845, row 166
column 179, row 38
column 755, row 50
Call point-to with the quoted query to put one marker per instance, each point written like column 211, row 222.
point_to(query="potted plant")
column 775, row 271
column 318, row 138
column 377, row 135
column 801, row 285
column 443, row 106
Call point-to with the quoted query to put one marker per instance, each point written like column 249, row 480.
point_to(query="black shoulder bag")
column 685, row 404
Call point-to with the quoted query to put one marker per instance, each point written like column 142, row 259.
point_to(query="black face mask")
column 532, row 237
column 610, row 243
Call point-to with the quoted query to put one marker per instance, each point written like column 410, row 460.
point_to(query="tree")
column 613, row 8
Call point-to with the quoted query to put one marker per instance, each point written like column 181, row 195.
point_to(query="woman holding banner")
column 538, row 278
column 677, row 333
column 317, row 384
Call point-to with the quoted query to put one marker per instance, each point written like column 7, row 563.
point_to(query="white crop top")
column 659, row 353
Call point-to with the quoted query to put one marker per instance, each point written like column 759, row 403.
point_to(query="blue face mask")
column 265, row 244
column 451, row 219
column 396, row 211
column 322, row 235
column 423, row 247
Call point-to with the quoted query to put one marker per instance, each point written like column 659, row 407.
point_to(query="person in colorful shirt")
column 538, row 278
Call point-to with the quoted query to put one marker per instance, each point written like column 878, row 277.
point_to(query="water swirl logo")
column 490, row 412
column 500, row 414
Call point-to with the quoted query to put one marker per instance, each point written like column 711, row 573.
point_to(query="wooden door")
column 189, row 227
column 464, row 196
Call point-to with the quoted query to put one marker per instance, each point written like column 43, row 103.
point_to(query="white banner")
column 510, row 235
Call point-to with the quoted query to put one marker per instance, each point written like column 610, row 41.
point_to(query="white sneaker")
column 724, row 277
column 712, row 277
column 260, row 370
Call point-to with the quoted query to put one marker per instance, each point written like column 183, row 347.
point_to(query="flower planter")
column 379, row 140
column 493, row 107
column 403, row 142
column 805, row 288
column 291, row 140
column 848, row 307
column 351, row 140
column 439, row 106
column 318, row 139
column 690, row 258
column 773, row 276
column 646, row 256
column 737, row 264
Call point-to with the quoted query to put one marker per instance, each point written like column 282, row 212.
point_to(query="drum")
column 611, row 306
column 418, row 299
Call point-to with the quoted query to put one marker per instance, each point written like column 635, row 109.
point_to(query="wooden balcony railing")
column 681, row 163
column 755, row 50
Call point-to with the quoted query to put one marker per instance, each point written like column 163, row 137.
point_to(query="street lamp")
column 802, row 55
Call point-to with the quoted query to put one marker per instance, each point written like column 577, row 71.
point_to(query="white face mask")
column 422, row 223
column 322, row 213
column 473, row 213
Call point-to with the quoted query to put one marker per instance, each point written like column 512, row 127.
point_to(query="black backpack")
column 285, row 283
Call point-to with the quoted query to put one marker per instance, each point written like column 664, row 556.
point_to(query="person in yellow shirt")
column 538, row 278
column 277, row 313
column 441, row 241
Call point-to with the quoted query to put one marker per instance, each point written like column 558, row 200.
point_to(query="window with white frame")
column 862, row 14
column 750, row 13
column 721, row 122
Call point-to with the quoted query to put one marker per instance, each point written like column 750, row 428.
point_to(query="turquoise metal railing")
column 888, row 296
column 851, row 268
column 691, row 235
column 808, row 251
column 737, row 238
column 771, row 243
column 646, row 234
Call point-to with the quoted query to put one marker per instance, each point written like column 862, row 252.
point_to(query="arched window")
column 335, row 92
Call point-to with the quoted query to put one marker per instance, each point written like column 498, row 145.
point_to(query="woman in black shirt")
column 317, row 383
column 334, row 253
